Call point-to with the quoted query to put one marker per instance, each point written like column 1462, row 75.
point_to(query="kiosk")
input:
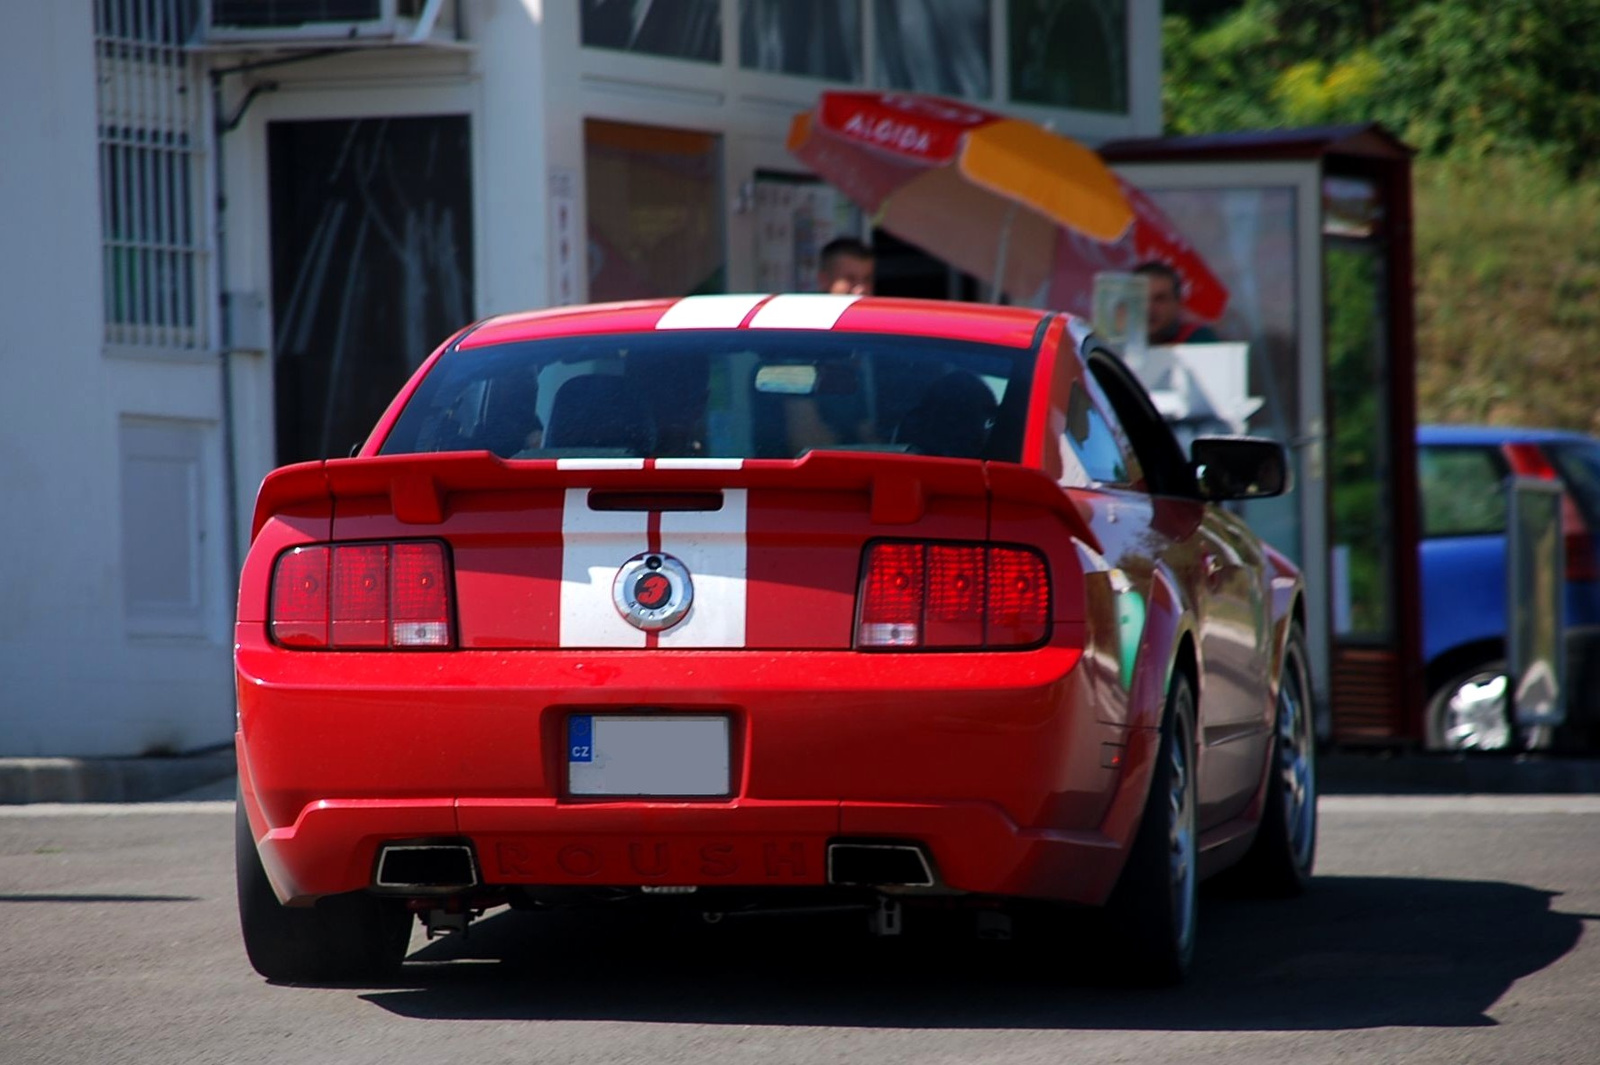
column 1310, row 229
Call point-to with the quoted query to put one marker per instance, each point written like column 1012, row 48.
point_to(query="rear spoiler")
column 419, row 487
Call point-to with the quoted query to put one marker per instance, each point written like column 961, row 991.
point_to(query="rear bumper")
column 994, row 764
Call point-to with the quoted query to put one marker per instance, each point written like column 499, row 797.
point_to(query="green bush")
column 1508, row 293
column 1502, row 102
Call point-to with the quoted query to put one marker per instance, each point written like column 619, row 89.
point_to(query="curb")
column 33, row 780
column 1409, row 773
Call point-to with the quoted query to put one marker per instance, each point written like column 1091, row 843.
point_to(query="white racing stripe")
column 816, row 310
column 599, row 464
column 709, row 312
column 699, row 464
column 595, row 544
column 711, row 543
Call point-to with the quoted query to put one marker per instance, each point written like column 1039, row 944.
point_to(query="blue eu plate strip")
column 580, row 738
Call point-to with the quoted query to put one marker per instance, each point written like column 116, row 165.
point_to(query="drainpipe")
column 222, row 125
column 230, row 462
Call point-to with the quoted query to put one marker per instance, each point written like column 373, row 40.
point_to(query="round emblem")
column 653, row 591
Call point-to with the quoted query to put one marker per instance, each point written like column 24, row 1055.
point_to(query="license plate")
column 648, row 755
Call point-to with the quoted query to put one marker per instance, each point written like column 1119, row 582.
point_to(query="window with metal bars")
column 151, row 109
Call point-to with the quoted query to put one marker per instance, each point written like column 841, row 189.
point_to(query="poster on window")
column 1535, row 593
column 794, row 220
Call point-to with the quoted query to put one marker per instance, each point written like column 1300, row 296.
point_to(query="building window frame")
column 676, row 84
column 153, row 149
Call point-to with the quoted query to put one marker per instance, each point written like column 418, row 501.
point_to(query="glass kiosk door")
column 1248, row 221
column 1310, row 232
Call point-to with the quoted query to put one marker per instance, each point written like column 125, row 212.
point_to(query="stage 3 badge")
column 653, row 591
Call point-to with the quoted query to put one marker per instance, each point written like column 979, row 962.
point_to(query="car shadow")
column 1354, row 952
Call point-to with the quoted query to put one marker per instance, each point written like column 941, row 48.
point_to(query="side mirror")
column 1239, row 467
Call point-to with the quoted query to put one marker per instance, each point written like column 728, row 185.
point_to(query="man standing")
column 845, row 268
column 1165, row 315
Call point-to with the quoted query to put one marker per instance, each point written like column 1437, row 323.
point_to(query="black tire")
column 1153, row 909
column 355, row 936
column 1470, row 711
column 1280, row 860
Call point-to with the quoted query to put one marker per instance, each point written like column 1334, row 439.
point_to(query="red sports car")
column 766, row 601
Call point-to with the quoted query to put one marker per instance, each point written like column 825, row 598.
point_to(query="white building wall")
column 78, row 675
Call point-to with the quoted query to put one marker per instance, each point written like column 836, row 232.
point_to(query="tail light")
column 926, row 596
column 1529, row 460
column 362, row 596
column 1580, row 545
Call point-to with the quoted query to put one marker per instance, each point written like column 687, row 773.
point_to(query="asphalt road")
column 1439, row 929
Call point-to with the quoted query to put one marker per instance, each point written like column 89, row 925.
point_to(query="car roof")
column 1496, row 434
column 1015, row 327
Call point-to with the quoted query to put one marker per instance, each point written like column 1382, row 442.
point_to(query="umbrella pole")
column 1000, row 259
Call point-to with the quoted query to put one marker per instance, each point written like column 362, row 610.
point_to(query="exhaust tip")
column 426, row 868
column 879, row 865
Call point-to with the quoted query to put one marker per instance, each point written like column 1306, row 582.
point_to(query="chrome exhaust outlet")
column 425, row 868
column 861, row 864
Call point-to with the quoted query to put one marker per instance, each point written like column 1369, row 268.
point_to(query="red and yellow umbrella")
column 1152, row 237
column 998, row 197
column 986, row 193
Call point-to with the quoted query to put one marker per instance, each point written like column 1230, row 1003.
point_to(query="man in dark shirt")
column 1165, row 316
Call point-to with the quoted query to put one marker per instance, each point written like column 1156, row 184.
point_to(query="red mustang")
column 743, row 600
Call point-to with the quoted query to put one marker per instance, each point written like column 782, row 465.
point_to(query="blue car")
column 1462, row 472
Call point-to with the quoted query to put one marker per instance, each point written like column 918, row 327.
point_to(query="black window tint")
column 1162, row 465
column 1463, row 491
column 721, row 394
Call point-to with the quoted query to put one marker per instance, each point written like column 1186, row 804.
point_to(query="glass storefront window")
column 1247, row 236
column 934, row 46
column 812, row 38
column 1359, row 467
column 1070, row 53
column 655, row 214
column 680, row 29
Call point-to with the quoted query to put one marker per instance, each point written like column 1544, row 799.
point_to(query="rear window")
column 1463, row 491
column 721, row 394
column 1579, row 466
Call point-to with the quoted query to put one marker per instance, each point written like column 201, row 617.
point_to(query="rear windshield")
column 721, row 394
column 1579, row 465
column 1463, row 490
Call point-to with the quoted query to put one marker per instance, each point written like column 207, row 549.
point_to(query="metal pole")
column 230, row 467
column 1000, row 258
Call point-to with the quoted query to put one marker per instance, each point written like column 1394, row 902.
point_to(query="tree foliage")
column 1454, row 78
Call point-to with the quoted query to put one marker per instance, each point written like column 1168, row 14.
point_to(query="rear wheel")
column 343, row 937
column 1153, row 909
column 1471, row 711
column 1279, row 861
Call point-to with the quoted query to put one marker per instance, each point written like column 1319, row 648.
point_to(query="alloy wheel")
column 1297, row 761
column 1182, row 865
column 1476, row 714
